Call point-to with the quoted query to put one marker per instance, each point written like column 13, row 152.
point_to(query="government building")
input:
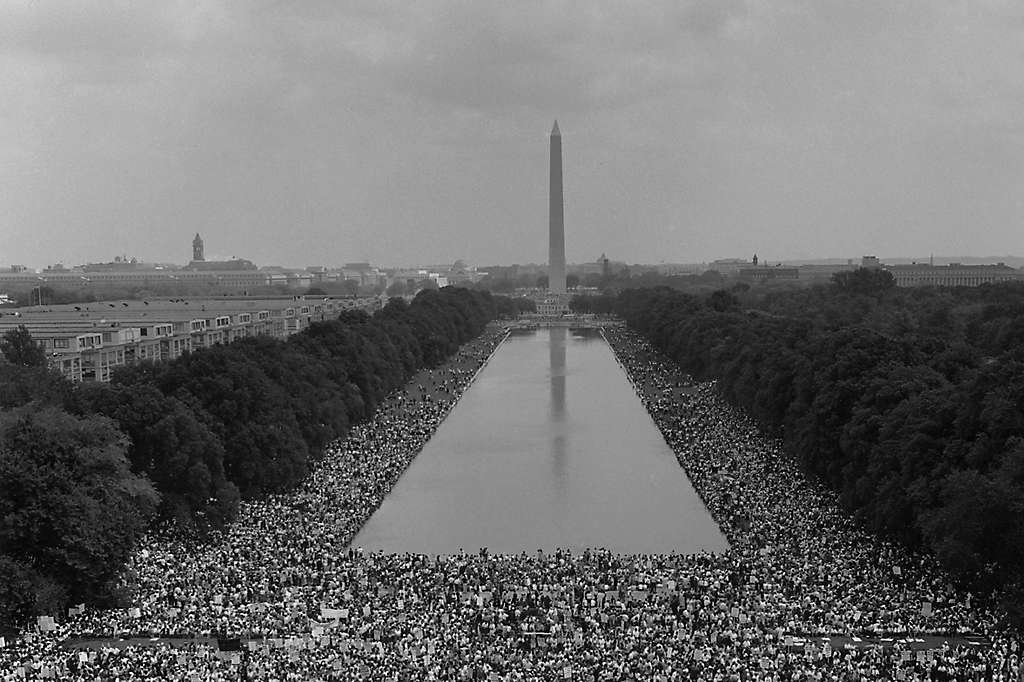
column 87, row 341
column 952, row 275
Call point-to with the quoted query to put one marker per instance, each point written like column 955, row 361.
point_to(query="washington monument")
column 556, row 222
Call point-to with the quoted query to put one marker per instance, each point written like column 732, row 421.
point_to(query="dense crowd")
column 801, row 593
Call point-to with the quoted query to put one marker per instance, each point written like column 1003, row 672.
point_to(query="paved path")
column 918, row 643
column 914, row 642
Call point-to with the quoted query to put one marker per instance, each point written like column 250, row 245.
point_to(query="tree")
column 354, row 317
column 250, row 413
column 864, row 280
column 397, row 288
column 20, row 348
column 172, row 447
column 247, row 418
column 976, row 519
column 20, row 385
column 722, row 301
column 600, row 305
column 913, row 417
column 71, row 509
column 24, row 593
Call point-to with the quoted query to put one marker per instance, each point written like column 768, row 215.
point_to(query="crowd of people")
column 800, row 594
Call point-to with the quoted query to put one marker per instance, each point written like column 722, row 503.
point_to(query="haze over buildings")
column 408, row 133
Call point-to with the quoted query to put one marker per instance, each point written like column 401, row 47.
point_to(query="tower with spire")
column 197, row 248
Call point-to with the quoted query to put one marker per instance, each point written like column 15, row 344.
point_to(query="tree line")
column 86, row 469
column 909, row 403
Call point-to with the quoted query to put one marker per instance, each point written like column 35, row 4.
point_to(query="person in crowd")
column 801, row 593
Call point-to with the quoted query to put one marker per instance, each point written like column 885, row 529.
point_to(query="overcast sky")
column 303, row 133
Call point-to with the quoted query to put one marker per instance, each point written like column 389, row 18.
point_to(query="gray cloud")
column 416, row 132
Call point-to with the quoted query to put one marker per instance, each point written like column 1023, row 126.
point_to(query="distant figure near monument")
column 556, row 222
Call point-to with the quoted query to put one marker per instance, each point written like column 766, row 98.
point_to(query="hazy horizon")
column 396, row 133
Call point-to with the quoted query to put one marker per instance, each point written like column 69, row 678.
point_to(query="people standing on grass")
column 797, row 595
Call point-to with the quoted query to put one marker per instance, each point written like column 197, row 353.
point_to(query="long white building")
column 952, row 275
column 87, row 341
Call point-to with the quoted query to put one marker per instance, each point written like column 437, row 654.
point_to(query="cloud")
column 550, row 57
column 397, row 129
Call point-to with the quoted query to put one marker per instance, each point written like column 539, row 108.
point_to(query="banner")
column 229, row 644
column 333, row 614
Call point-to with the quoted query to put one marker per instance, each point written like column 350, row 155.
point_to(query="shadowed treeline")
column 908, row 402
column 85, row 469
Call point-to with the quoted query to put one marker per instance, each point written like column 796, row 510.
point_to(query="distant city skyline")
column 397, row 133
column 939, row 259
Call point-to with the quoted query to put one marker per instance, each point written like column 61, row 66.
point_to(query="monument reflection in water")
column 513, row 472
column 559, row 427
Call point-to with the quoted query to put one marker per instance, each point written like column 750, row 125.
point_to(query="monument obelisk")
column 556, row 219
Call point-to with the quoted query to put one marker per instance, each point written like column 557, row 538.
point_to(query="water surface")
column 549, row 447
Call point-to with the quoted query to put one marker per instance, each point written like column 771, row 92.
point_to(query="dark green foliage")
column 598, row 305
column 722, row 301
column 908, row 403
column 864, row 280
column 249, row 412
column 24, row 593
column 168, row 444
column 20, row 385
column 247, row 418
column 70, row 510
column 19, row 348
column 510, row 308
column 76, row 490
